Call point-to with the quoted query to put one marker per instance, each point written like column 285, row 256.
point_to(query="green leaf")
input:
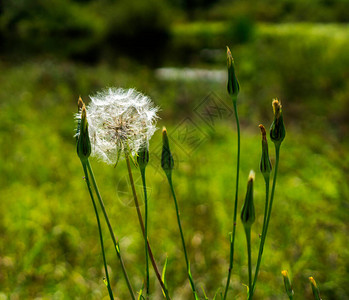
column 204, row 293
column 215, row 295
column 140, row 296
column 163, row 276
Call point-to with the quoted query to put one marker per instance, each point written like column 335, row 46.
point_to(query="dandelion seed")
column 120, row 121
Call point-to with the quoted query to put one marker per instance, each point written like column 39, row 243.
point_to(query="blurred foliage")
column 96, row 30
column 92, row 31
column 283, row 10
column 49, row 247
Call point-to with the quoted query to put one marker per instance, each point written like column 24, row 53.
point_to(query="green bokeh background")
column 53, row 51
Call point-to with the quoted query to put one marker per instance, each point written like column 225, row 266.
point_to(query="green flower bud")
column 287, row 282
column 247, row 211
column 277, row 129
column 316, row 291
column 80, row 103
column 83, row 142
column 143, row 156
column 167, row 162
column 265, row 164
column 233, row 83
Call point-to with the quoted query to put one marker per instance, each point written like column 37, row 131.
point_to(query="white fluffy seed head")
column 119, row 121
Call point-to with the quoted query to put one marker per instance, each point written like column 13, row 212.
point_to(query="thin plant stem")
column 146, row 230
column 140, row 219
column 99, row 230
column 264, row 235
column 248, row 240
column 232, row 239
column 182, row 236
column 114, row 239
column 261, row 246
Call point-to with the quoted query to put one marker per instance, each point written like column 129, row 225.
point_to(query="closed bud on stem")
column 143, row 156
column 265, row 164
column 287, row 282
column 247, row 211
column 233, row 83
column 167, row 162
column 277, row 129
column 316, row 291
column 83, row 140
column 80, row 103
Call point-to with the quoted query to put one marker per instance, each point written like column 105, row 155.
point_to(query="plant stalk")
column 264, row 235
column 140, row 219
column 114, row 239
column 261, row 246
column 232, row 239
column 99, row 230
column 191, row 281
column 146, row 230
column 248, row 240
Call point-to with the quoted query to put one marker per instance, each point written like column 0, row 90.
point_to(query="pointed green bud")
column 287, row 282
column 247, row 211
column 265, row 164
column 83, row 142
column 167, row 162
column 233, row 83
column 143, row 156
column 316, row 291
column 80, row 103
column 277, row 129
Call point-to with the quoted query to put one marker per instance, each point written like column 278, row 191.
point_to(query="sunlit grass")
column 49, row 250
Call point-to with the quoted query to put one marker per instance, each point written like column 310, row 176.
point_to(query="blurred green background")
column 174, row 51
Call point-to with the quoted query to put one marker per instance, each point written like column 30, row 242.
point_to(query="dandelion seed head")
column 119, row 121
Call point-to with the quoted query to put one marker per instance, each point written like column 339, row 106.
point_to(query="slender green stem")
column 140, row 219
column 232, row 240
column 264, row 235
column 99, row 229
column 114, row 239
column 248, row 240
column 182, row 236
column 146, row 230
column 261, row 246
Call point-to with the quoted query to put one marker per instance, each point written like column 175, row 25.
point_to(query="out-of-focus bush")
column 85, row 30
column 138, row 28
column 60, row 27
column 284, row 10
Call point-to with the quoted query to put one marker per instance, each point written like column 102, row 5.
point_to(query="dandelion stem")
column 140, row 219
column 264, row 234
column 248, row 240
column 261, row 246
column 182, row 237
column 146, row 230
column 99, row 230
column 115, row 241
column 232, row 240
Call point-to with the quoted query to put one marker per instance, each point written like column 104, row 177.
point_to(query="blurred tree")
column 38, row 26
column 138, row 28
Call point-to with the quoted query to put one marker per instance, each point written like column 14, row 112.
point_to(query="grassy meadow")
column 49, row 246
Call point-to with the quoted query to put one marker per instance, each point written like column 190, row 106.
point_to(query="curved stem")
column 140, row 219
column 99, row 230
column 114, row 239
column 277, row 155
column 182, row 237
column 232, row 240
column 146, row 230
